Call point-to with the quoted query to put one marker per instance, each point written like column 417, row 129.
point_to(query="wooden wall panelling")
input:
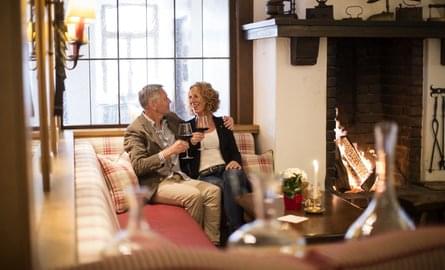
column 241, row 66
column 15, row 213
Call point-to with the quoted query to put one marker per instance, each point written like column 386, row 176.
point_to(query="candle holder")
column 314, row 202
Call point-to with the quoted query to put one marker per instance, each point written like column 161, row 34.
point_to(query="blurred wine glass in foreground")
column 383, row 213
column 137, row 235
column 266, row 233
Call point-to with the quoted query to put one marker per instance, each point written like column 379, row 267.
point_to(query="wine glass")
column 185, row 133
column 266, row 234
column 138, row 234
column 202, row 125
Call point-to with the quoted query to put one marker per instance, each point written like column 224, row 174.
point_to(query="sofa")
column 187, row 247
column 100, row 211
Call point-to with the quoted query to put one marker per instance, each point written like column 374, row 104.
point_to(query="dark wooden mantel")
column 305, row 34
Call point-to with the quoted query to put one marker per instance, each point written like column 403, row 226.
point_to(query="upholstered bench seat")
column 173, row 223
column 97, row 220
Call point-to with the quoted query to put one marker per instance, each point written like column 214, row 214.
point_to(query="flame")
column 359, row 164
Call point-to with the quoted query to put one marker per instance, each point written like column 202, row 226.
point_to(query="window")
column 136, row 42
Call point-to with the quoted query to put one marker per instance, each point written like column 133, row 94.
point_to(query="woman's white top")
column 210, row 153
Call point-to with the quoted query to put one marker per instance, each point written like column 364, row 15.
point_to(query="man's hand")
column 228, row 122
column 178, row 147
column 234, row 165
column 197, row 137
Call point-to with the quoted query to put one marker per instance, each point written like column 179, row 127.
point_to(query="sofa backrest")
column 106, row 145
column 114, row 145
column 96, row 221
column 408, row 250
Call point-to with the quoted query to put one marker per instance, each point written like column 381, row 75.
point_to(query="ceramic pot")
column 293, row 203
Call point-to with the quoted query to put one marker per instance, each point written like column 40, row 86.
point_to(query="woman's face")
column 196, row 101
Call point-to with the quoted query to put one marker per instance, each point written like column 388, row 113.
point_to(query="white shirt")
column 210, row 153
column 167, row 138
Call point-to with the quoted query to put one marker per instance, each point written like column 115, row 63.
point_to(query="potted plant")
column 294, row 181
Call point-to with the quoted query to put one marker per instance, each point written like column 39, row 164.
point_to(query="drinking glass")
column 266, row 234
column 202, row 125
column 137, row 235
column 185, row 133
column 383, row 213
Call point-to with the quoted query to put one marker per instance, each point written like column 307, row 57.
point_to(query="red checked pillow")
column 119, row 174
column 245, row 142
column 258, row 163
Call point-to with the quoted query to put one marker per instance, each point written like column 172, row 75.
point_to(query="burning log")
column 360, row 176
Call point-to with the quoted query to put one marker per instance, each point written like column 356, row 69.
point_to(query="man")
column 153, row 150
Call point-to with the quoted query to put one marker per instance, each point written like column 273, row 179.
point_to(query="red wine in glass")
column 201, row 129
column 185, row 133
column 202, row 125
column 185, row 137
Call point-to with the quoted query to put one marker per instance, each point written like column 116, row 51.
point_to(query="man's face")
column 162, row 104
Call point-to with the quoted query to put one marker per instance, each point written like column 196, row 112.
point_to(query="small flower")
column 293, row 179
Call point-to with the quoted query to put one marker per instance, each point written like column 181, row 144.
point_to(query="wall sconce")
column 79, row 13
column 67, row 30
column 31, row 35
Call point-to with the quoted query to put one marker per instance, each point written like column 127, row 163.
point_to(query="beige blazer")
column 143, row 145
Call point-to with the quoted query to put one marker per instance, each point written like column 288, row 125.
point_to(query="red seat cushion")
column 173, row 223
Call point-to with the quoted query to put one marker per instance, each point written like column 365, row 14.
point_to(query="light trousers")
column 200, row 199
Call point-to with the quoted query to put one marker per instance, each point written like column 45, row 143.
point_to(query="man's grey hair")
column 149, row 92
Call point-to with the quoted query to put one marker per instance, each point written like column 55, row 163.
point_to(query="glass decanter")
column 266, row 234
column 137, row 235
column 383, row 213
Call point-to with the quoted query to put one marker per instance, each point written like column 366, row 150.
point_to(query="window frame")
column 240, row 73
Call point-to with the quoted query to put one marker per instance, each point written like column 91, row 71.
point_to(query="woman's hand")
column 228, row 122
column 196, row 137
column 233, row 165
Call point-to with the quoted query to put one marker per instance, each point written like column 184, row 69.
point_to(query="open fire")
column 355, row 168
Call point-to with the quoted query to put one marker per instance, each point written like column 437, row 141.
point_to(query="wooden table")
column 330, row 225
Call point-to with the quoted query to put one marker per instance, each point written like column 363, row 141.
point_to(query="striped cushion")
column 420, row 249
column 258, row 163
column 245, row 142
column 163, row 257
column 119, row 175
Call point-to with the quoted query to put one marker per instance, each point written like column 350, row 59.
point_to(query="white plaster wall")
column 289, row 103
column 300, row 111
column 264, row 84
column 434, row 74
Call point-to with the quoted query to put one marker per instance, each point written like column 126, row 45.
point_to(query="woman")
column 216, row 158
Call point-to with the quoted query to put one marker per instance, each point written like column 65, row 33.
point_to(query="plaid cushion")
column 258, row 163
column 245, row 142
column 119, row 174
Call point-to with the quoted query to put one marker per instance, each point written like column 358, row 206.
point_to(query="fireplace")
column 371, row 80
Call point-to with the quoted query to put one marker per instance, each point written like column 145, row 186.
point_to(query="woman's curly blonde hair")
column 210, row 95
